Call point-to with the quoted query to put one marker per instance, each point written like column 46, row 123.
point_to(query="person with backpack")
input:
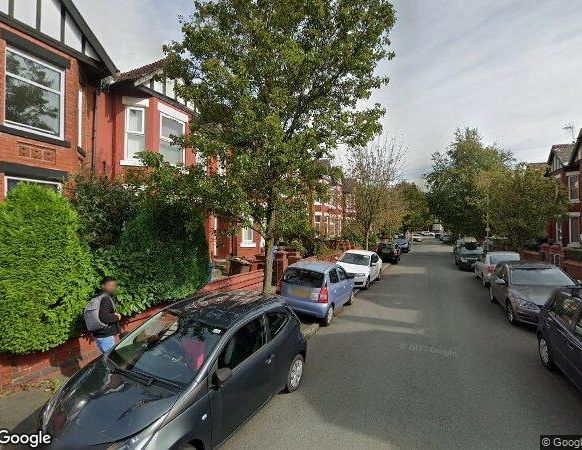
column 101, row 319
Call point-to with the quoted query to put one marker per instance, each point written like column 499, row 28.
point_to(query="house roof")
column 562, row 151
column 576, row 148
column 140, row 73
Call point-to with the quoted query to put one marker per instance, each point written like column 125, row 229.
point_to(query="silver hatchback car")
column 485, row 265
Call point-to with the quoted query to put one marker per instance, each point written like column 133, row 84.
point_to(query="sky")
column 511, row 68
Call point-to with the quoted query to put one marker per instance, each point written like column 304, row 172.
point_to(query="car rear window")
column 506, row 257
column 303, row 277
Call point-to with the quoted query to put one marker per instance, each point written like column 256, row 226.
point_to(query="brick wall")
column 17, row 370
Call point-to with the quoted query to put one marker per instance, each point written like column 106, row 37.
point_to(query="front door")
column 250, row 385
column 500, row 289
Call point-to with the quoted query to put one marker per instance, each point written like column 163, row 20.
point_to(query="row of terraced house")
column 65, row 105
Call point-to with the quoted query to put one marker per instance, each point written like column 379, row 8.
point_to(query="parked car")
column 470, row 242
column 416, row 237
column 365, row 266
column 404, row 244
column 427, row 233
column 560, row 334
column 467, row 256
column 485, row 265
column 317, row 288
column 523, row 287
column 446, row 239
column 388, row 252
column 192, row 374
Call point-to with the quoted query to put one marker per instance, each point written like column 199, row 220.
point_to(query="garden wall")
column 18, row 370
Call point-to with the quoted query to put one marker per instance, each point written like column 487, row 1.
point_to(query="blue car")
column 317, row 288
column 404, row 244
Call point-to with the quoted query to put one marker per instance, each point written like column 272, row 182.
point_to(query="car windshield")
column 303, row 277
column 469, row 251
column 540, row 276
column 503, row 257
column 169, row 346
column 356, row 259
column 401, row 241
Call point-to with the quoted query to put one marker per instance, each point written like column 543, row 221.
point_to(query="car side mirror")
column 373, row 264
column 221, row 376
column 500, row 281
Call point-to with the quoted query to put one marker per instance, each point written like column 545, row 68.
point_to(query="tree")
column 275, row 85
column 452, row 181
column 375, row 169
column 521, row 202
column 417, row 214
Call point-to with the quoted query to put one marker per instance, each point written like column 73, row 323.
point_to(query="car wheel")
column 396, row 260
column 379, row 277
column 328, row 319
column 545, row 354
column 351, row 300
column 295, row 374
column 492, row 298
column 509, row 313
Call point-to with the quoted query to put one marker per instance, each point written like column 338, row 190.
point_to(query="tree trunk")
column 269, row 243
column 367, row 238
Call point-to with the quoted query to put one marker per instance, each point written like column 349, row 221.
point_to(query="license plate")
column 301, row 293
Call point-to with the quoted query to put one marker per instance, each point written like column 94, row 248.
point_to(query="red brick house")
column 564, row 164
column 52, row 65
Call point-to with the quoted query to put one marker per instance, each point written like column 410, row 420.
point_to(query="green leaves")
column 45, row 270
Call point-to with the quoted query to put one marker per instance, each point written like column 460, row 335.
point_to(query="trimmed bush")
column 46, row 276
column 162, row 255
column 574, row 254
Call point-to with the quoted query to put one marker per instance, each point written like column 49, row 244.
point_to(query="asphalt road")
column 421, row 360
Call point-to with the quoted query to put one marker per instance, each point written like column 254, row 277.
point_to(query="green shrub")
column 45, row 270
column 574, row 253
column 162, row 255
column 104, row 207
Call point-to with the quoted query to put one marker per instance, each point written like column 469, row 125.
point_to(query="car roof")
column 360, row 252
column 528, row 264
column 224, row 309
column 316, row 266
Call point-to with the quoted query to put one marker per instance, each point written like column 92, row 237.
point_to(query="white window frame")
column 577, row 198
column 131, row 160
column 162, row 138
column 29, row 180
column 247, row 243
column 60, row 93
column 80, row 119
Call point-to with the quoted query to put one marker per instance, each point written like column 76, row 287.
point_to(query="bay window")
column 134, row 132
column 34, row 95
column 169, row 127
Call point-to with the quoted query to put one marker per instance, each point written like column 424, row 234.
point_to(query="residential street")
column 421, row 360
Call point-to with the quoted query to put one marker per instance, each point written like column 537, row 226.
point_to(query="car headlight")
column 139, row 440
column 526, row 304
column 359, row 274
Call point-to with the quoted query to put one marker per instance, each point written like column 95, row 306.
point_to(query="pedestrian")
column 100, row 316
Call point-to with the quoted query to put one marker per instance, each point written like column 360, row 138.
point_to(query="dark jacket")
column 107, row 316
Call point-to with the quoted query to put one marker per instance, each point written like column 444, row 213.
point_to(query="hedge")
column 45, row 270
column 162, row 255
column 574, row 253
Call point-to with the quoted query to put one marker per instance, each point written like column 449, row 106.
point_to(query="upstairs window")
column 34, row 95
column 171, row 127
column 134, row 132
column 573, row 190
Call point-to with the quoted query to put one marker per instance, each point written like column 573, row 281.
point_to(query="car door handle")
column 270, row 360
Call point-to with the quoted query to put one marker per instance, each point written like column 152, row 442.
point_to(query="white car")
column 427, row 233
column 417, row 237
column 365, row 266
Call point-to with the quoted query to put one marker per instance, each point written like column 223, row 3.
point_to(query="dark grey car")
column 189, row 376
column 560, row 334
column 523, row 287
